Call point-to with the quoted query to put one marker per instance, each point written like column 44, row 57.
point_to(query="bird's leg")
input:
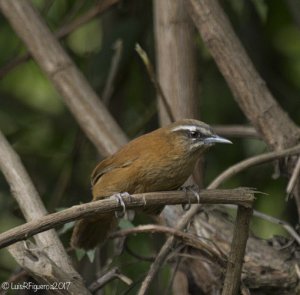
column 129, row 214
column 119, row 197
column 194, row 189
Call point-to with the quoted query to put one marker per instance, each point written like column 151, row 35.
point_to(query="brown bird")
column 161, row 160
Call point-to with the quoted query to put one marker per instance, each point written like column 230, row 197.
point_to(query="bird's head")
column 195, row 135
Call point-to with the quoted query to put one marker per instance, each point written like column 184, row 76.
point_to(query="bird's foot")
column 119, row 197
column 190, row 188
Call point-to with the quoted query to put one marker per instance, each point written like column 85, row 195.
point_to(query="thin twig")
column 294, row 178
column 31, row 204
column 167, row 247
column 248, row 87
column 47, row 6
column 72, row 12
column 256, row 160
column 174, row 272
column 187, row 239
column 237, row 252
column 242, row 196
column 289, row 228
column 283, row 223
column 143, row 55
column 165, row 250
column 108, row 277
column 109, row 88
column 236, row 131
column 101, row 7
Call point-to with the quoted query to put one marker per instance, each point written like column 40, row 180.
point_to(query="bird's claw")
column 119, row 197
column 193, row 189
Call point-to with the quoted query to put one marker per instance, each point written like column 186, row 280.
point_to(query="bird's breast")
column 169, row 173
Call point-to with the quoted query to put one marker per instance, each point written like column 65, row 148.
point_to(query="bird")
column 161, row 160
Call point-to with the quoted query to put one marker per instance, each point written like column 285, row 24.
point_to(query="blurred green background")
column 58, row 156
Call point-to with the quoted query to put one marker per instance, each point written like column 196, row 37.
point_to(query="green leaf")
column 67, row 226
column 91, row 255
column 125, row 223
column 80, row 253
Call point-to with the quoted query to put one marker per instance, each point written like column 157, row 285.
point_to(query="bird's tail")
column 90, row 232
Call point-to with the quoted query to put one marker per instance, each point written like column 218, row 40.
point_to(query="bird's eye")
column 194, row 134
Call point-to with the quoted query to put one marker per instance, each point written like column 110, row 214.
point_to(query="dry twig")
column 109, row 87
column 33, row 208
column 236, row 131
column 237, row 252
column 280, row 222
column 241, row 196
column 294, row 178
column 165, row 250
column 176, row 60
column 144, row 57
column 167, row 247
column 249, row 89
column 108, row 277
column 256, row 160
column 187, row 238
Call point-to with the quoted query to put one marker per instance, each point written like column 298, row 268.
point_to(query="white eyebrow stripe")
column 185, row 127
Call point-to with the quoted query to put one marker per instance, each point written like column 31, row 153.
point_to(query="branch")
column 78, row 95
column 240, row 196
column 294, row 178
column 114, row 67
column 167, row 247
column 187, row 238
column 249, row 89
column 285, row 225
column 237, row 252
column 108, row 277
column 144, row 57
column 99, row 8
column 165, row 250
column 33, row 208
column 38, row 264
column 265, row 267
column 236, row 131
column 256, row 160
column 280, row 222
column 176, row 60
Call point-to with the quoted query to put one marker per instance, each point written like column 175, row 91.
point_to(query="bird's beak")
column 216, row 139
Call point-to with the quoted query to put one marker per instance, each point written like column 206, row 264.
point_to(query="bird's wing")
column 125, row 157
column 108, row 165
